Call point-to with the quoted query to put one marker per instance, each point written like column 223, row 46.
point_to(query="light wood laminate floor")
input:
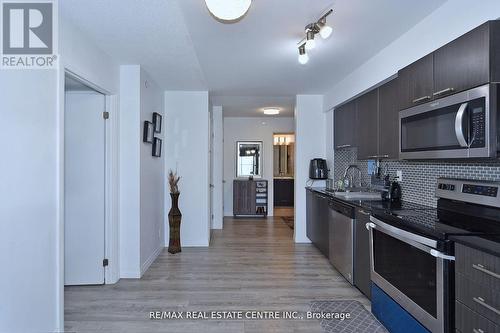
column 250, row 265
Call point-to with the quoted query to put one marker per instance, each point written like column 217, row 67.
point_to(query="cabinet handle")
column 378, row 156
column 480, row 301
column 343, row 146
column 421, row 99
column 481, row 268
column 444, row 91
column 477, row 330
column 363, row 212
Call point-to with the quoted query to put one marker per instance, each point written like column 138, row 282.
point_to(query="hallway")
column 250, row 265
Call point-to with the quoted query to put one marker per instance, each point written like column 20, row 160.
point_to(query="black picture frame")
column 157, row 120
column 148, row 132
column 156, row 151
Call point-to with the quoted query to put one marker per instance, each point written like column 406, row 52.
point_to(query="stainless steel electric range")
column 412, row 255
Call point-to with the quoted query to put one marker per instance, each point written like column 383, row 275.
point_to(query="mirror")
column 249, row 159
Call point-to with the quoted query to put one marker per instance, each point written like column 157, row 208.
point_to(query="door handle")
column 459, row 131
column 441, row 255
column 363, row 212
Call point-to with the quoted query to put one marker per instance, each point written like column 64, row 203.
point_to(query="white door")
column 84, row 188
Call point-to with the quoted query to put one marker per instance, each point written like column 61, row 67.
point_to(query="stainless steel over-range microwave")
column 463, row 125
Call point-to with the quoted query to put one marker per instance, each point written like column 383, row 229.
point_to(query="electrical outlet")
column 399, row 175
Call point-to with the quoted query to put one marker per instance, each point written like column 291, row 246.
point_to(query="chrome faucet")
column 352, row 166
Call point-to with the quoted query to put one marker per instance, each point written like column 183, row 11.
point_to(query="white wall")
column 451, row 20
column 32, row 111
column 81, row 56
column 152, row 187
column 186, row 150
column 130, row 168
column 142, row 177
column 310, row 134
column 251, row 129
column 29, row 196
column 218, row 167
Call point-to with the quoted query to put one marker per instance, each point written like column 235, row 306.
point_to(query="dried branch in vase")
column 173, row 181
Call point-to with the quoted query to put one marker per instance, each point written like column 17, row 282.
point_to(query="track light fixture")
column 308, row 43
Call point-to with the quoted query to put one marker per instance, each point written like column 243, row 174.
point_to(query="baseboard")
column 301, row 240
column 150, row 260
column 132, row 274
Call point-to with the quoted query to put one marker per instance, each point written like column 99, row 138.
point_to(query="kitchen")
column 411, row 212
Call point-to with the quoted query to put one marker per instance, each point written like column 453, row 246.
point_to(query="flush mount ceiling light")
column 271, row 111
column 308, row 43
column 228, row 10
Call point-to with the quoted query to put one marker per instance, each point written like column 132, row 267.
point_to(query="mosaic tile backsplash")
column 419, row 177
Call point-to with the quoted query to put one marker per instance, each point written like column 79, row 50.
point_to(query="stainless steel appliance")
column 341, row 238
column 463, row 125
column 412, row 256
column 318, row 169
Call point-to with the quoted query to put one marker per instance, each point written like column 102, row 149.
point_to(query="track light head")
column 310, row 42
column 303, row 57
column 325, row 30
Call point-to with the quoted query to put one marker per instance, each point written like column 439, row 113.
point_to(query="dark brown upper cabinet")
column 468, row 61
column 367, row 127
column 416, row 82
column 388, row 120
column 345, row 126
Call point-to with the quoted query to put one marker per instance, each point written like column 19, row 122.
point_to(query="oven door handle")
column 422, row 243
column 403, row 235
column 437, row 254
column 459, row 128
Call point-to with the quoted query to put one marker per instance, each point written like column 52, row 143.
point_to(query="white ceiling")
column 151, row 33
column 244, row 65
column 252, row 106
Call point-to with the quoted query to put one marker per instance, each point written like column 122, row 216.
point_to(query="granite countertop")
column 488, row 244
column 369, row 204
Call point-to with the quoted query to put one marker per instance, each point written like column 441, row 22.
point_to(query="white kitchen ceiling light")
column 303, row 57
column 228, row 10
column 271, row 111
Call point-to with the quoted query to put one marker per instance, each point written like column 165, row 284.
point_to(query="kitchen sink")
column 359, row 195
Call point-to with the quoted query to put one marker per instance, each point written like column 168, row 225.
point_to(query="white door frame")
column 112, row 176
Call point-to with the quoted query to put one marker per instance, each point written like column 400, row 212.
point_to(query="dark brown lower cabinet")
column 477, row 290
column 250, row 197
column 283, row 192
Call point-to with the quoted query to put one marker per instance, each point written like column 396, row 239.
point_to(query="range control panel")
column 488, row 191
column 472, row 191
column 446, row 187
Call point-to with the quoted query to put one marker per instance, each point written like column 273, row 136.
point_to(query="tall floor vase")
column 174, row 221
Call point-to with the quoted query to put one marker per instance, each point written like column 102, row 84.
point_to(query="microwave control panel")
column 478, row 127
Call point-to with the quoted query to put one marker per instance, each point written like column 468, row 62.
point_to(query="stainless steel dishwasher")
column 341, row 219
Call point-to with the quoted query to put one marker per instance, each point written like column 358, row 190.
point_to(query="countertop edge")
column 479, row 243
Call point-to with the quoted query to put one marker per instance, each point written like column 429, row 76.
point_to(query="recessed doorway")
column 84, row 184
column 283, row 177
